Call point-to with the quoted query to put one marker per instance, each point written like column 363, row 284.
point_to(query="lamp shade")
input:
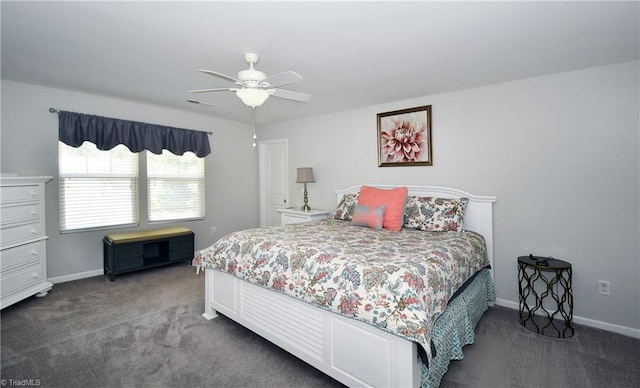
column 305, row 175
column 252, row 96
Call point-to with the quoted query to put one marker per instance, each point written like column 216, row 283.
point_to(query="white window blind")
column 175, row 186
column 97, row 188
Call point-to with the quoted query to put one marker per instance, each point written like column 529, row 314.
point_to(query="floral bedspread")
column 399, row 282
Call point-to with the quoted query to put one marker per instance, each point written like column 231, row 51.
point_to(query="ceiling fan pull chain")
column 254, row 126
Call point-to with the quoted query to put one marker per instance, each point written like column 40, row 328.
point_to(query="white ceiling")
column 350, row 54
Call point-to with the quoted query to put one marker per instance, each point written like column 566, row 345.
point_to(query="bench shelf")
column 135, row 251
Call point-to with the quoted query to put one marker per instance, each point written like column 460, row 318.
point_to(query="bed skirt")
column 455, row 327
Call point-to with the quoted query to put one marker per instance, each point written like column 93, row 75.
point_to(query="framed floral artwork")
column 404, row 137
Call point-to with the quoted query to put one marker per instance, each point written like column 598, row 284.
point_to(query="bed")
column 363, row 334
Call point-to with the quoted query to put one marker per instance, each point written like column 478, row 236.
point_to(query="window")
column 97, row 188
column 175, row 186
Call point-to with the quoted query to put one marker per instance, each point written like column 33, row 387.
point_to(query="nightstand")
column 293, row 216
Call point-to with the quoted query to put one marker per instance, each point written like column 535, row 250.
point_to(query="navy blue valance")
column 106, row 133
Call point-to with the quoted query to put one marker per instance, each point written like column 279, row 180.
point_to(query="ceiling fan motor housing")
column 251, row 75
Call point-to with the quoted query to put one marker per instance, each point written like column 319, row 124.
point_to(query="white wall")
column 560, row 152
column 30, row 145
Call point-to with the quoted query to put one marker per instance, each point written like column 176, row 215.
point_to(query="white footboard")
column 350, row 351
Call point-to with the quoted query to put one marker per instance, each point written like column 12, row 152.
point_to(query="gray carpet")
column 146, row 330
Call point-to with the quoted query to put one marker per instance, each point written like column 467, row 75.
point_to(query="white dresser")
column 292, row 216
column 23, row 250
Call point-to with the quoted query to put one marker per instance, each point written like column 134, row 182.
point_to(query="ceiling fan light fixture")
column 252, row 97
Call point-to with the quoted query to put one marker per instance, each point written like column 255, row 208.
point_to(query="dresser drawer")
column 18, row 214
column 14, row 257
column 22, row 233
column 23, row 278
column 29, row 193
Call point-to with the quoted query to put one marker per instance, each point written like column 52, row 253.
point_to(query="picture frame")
column 404, row 137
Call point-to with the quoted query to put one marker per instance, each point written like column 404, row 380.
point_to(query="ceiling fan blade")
column 200, row 102
column 281, row 79
column 291, row 95
column 219, row 75
column 213, row 90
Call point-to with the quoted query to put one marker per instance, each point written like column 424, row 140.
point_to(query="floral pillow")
column 345, row 208
column 369, row 216
column 435, row 214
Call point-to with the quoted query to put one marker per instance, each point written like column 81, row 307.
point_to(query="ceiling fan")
column 254, row 87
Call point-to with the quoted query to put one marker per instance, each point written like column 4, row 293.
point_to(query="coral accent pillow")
column 393, row 201
column 368, row 216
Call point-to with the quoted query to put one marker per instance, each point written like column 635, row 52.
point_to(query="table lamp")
column 305, row 175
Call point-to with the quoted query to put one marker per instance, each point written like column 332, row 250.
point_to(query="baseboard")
column 76, row 276
column 628, row 331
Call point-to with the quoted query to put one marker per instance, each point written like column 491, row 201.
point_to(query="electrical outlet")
column 214, row 230
column 604, row 287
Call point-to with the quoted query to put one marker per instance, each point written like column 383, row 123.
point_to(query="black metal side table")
column 546, row 298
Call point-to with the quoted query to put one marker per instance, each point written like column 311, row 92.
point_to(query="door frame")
column 263, row 167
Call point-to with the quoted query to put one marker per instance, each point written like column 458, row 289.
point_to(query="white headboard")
column 478, row 216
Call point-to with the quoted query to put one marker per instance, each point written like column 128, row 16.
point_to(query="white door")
column 273, row 157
